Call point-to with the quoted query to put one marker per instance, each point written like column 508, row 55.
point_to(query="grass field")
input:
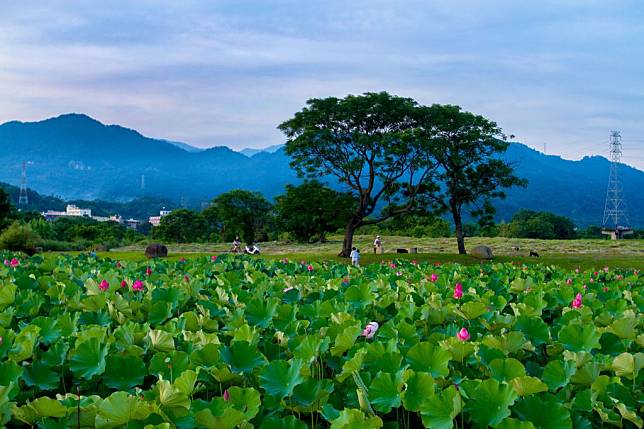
column 583, row 254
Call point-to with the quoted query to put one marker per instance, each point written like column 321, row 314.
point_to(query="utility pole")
column 615, row 221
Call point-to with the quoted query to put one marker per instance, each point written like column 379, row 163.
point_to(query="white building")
column 73, row 210
column 156, row 220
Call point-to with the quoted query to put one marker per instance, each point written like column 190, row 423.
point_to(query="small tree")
column 180, row 226
column 6, row 209
column 19, row 237
column 241, row 213
column 466, row 148
column 310, row 210
column 368, row 143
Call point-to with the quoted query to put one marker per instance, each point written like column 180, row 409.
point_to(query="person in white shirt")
column 377, row 245
column 355, row 257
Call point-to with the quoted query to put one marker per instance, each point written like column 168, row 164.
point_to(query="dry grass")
column 499, row 245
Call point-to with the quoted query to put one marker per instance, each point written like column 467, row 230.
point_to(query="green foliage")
column 240, row 213
column 310, row 210
column 6, row 209
column 466, row 149
column 543, row 225
column 181, row 226
column 368, row 143
column 19, row 237
column 229, row 348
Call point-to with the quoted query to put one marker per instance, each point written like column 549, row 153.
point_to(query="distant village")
column 74, row 211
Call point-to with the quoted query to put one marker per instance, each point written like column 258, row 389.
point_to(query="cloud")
column 228, row 72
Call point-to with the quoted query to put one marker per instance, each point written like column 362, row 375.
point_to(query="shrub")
column 19, row 238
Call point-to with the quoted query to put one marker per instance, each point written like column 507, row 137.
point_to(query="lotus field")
column 224, row 342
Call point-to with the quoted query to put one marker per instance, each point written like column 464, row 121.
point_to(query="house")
column 156, row 220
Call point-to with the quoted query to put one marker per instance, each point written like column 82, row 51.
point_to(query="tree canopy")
column 240, row 212
column 543, row 225
column 369, row 144
column 465, row 147
column 181, row 226
column 310, row 210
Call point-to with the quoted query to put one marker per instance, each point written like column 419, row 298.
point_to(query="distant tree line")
column 304, row 213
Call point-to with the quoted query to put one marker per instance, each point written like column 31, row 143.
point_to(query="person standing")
column 355, row 257
column 377, row 245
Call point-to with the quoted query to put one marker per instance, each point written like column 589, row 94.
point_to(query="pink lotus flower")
column 414, row 262
column 577, row 270
column 137, row 285
column 586, row 287
column 592, row 280
column 605, row 269
column 6, row 262
column 620, row 277
column 458, row 291
column 577, row 302
column 123, row 283
column 182, row 259
column 370, row 330
column 433, row 277
column 569, row 281
column 437, row 264
column 213, row 258
column 118, row 264
column 636, row 272
column 14, row 262
column 104, row 285
column 605, row 289
column 392, row 265
column 595, row 273
column 226, row 395
column 186, row 278
column 398, row 273
column 148, row 271
column 285, row 261
column 463, row 335
column 310, row 268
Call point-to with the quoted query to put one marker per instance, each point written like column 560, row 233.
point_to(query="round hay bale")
column 481, row 252
column 156, row 250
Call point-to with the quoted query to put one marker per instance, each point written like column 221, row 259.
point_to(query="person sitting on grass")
column 236, row 245
column 355, row 257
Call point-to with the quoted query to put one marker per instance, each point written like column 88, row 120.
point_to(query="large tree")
column 370, row 145
column 311, row 209
column 241, row 213
column 466, row 148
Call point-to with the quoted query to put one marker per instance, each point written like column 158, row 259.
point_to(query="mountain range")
column 73, row 156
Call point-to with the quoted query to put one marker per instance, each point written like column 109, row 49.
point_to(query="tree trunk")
column 458, row 226
column 348, row 238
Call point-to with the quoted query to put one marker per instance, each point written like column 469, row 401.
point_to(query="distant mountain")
column 185, row 146
column 76, row 157
column 252, row 152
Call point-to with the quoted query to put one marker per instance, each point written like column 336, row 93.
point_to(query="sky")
column 557, row 74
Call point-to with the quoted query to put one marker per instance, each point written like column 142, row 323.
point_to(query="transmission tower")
column 615, row 216
column 23, row 199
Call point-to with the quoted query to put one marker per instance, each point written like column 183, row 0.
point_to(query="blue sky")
column 212, row 73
